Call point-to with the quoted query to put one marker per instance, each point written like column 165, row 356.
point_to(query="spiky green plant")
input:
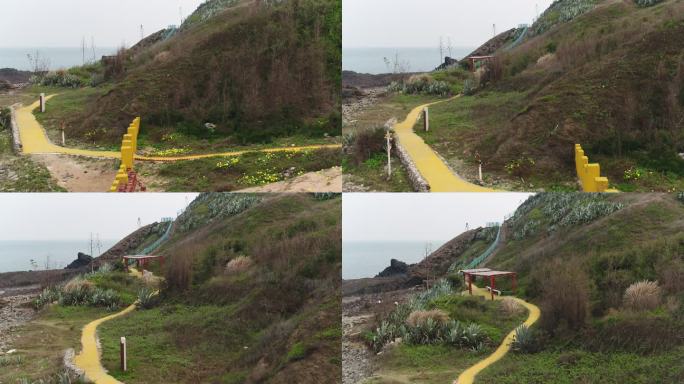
column 526, row 340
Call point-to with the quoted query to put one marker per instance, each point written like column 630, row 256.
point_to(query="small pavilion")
column 471, row 274
column 142, row 260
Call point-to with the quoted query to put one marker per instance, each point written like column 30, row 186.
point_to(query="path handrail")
column 153, row 247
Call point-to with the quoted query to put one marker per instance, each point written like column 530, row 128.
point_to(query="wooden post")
column 480, row 172
column 491, row 286
column 515, row 278
column 470, row 284
column 124, row 364
column 42, row 103
column 426, row 119
column 388, row 136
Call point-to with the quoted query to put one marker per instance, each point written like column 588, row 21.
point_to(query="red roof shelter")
column 471, row 274
column 142, row 260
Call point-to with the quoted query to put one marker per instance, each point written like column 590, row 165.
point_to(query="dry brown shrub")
column 642, row 296
column 672, row 304
column 78, row 283
column 239, row 264
column 511, row 307
column 417, row 318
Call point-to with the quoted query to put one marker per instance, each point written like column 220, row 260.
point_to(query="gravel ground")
column 15, row 310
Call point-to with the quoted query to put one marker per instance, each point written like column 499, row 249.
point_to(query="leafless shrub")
column 671, row 276
column 642, row 296
column 179, row 272
column 417, row 318
column 565, row 296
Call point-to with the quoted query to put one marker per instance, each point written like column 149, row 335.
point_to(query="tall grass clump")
column 79, row 292
column 642, row 296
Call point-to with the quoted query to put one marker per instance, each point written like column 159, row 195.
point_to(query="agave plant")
column 147, row 298
column 472, row 335
column 525, row 340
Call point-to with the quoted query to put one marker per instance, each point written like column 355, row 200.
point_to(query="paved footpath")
column 431, row 167
column 34, row 140
column 468, row 376
column 89, row 359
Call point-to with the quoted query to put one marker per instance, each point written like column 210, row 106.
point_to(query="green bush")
column 59, row 79
column 421, row 85
column 297, row 352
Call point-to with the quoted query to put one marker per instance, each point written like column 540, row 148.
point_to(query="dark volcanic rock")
column 83, row 260
column 14, row 76
column 396, row 268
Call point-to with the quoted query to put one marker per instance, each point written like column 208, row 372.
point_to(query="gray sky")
column 421, row 216
column 73, row 216
column 63, row 23
column 413, row 23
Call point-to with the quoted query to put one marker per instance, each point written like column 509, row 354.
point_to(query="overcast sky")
column 421, row 216
column 63, row 23
column 73, row 216
column 412, row 23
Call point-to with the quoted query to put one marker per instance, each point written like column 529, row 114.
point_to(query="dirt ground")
column 327, row 180
column 80, row 174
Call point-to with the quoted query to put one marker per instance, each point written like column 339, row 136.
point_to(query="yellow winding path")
column 431, row 167
column 34, row 140
column 468, row 376
column 89, row 359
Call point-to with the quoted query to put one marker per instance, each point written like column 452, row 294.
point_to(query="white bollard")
column 42, row 103
column 480, row 171
column 124, row 364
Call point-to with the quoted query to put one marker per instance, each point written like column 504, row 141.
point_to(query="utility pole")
column 83, row 47
column 388, row 136
column 142, row 32
column 428, row 249
column 494, row 28
column 92, row 46
column 91, row 253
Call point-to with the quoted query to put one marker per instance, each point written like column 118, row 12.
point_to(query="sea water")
column 372, row 60
column 39, row 255
column 57, row 58
column 367, row 259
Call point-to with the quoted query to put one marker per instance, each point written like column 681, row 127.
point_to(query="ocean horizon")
column 413, row 59
column 17, row 256
column 57, row 57
column 362, row 259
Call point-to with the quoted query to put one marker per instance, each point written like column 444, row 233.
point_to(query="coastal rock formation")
column 81, row 261
column 396, row 268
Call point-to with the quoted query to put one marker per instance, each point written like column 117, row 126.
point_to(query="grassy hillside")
column 253, row 283
column 606, row 272
column 606, row 74
column 577, row 256
column 225, row 67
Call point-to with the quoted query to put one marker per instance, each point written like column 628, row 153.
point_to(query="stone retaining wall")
column 16, row 139
column 417, row 181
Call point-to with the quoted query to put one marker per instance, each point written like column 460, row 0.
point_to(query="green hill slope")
column 576, row 256
column 251, row 295
column 606, row 74
column 257, row 70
